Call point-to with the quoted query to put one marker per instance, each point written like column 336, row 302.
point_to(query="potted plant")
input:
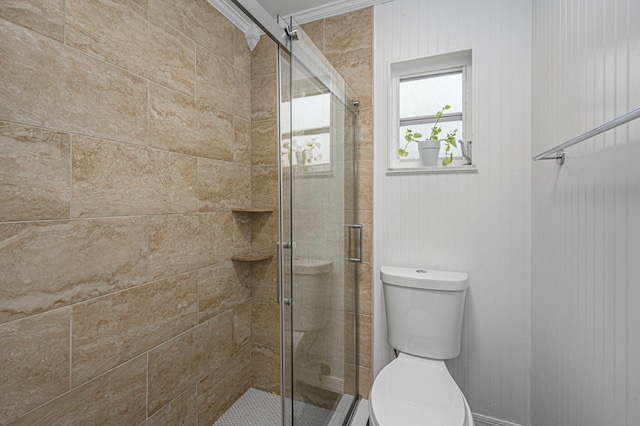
column 430, row 148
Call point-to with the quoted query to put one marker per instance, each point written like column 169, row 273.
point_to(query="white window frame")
column 423, row 67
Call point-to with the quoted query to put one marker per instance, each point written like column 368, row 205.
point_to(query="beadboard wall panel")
column 473, row 222
column 586, row 234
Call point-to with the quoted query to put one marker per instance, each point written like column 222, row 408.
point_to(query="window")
column 420, row 88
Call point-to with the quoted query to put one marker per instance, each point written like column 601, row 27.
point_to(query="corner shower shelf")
column 251, row 210
column 251, row 257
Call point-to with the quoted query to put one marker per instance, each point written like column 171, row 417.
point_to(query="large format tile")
column 316, row 32
column 365, row 342
column 48, row 84
column 199, row 21
column 264, row 58
column 181, row 411
column 34, row 362
column 365, row 134
column 43, row 16
column 173, row 368
column 266, row 323
column 220, row 389
column 214, row 340
column 264, row 142
column 358, row 73
column 223, row 185
column 113, row 329
column 116, row 33
column 221, row 86
column 242, row 141
column 242, row 320
column 52, row 264
column 115, row 398
column 241, row 53
column 365, row 185
column 264, row 97
column 116, row 179
column 264, row 280
column 265, row 368
column 264, row 186
column 221, row 287
column 34, row 173
column 349, row 35
column 181, row 243
column 177, row 364
column 178, row 123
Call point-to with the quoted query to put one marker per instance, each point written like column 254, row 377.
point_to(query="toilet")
column 424, row 324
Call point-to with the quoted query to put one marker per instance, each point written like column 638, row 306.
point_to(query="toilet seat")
column 414, row 391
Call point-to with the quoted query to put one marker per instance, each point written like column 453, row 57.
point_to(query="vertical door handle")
column 358, row 257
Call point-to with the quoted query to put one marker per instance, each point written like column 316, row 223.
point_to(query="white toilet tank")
column 425, row 308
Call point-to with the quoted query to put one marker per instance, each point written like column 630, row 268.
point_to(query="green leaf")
column 447, row 106
column 417, row 135
column 402, row 152
column 438, row 114
column 407, row 138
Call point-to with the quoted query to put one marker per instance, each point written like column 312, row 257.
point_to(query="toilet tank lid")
column 428, row 279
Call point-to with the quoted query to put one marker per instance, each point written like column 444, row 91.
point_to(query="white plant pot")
column 429, row 151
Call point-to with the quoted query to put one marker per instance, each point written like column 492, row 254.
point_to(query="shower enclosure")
column 319, row 235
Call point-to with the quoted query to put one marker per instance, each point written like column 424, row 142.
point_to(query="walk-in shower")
column 319, row 238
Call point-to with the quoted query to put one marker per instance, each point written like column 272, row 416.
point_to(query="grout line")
column 70, row 176
column 147, row 387
column 70, row 348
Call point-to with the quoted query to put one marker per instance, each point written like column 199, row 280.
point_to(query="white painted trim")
column 361, row 416
column 482, row 420
column 336, row 8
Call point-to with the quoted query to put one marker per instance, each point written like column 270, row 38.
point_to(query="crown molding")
column 252, row 33
column 336, row 8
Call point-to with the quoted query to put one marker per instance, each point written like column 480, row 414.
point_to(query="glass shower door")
column 320, row 238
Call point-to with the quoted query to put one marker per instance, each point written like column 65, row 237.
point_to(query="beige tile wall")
column 126, row 132
column 265, row 347
column 125, row 138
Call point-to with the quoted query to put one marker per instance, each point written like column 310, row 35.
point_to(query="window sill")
column 471, row 168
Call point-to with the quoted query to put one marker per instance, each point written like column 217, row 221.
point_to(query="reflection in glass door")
column 319, row 238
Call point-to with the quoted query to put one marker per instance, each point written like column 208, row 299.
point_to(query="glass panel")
column 319, row 344
column 427, row 95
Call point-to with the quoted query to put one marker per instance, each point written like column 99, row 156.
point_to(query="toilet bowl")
column 414, row 391
column 424, row 324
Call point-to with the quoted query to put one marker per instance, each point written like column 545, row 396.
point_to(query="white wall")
column 586, row 228
column 479, row 223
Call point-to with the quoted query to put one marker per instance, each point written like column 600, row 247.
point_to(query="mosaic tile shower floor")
column 260, row 408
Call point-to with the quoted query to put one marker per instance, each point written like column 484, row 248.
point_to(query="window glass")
column 426, row 95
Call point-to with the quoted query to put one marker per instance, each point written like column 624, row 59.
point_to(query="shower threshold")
column 259, row 408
